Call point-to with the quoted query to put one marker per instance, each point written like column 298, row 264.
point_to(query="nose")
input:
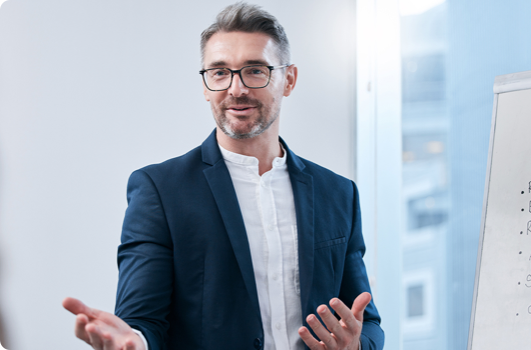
column 237, row 88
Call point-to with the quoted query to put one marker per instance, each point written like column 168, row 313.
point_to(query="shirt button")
column 275, row 277
column 277, row 325
column 270, row 227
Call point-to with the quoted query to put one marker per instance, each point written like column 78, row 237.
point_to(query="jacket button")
column 258, row 343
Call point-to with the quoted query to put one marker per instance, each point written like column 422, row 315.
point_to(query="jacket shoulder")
column 325, row 176
column 174, row 167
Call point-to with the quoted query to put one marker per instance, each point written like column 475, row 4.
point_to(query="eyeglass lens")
column 253, row 77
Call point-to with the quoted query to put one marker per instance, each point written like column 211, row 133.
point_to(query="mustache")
column 242, row 100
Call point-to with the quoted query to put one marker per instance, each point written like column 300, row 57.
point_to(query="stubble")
column 266, row 117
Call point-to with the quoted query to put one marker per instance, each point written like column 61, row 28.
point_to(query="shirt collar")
column 249, row 160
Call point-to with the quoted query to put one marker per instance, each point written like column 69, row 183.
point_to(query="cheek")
column 210, row 97
column 277, row 88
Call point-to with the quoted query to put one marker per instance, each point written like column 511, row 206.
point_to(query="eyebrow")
column 216, row 64
column 257, row 62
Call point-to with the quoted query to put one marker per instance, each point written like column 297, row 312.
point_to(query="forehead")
column 235, row 49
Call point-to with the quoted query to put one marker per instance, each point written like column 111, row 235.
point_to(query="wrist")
column 141, row 340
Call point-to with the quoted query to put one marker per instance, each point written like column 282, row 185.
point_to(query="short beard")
column 261, row 124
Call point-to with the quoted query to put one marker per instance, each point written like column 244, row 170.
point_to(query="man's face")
column 241, row 112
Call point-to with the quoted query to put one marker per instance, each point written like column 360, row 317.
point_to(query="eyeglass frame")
column 239, row 72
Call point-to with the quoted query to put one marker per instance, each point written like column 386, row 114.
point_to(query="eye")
column 257, row 70
column 218, row 73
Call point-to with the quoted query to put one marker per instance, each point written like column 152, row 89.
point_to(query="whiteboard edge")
column 483, row 218
column 512, row 82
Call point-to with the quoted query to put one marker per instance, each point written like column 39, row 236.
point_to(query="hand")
column 338, row 335
column 102, row 330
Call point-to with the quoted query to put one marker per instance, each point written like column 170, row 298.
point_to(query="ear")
column 291, row 79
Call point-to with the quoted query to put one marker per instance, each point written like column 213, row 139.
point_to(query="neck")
column 265, row 147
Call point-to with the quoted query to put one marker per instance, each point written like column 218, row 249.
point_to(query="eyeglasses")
column 253, row 77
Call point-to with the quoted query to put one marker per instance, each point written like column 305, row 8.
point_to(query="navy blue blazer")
column 186, row 277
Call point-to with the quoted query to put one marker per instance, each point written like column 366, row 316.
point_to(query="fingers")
column 103, row 331
column 347, row 317
column 129, row 345
column 75, row 306
column 339, row 333
column 352, row 318
column 331, row 321
column 321, row 331
column 107, row 340
column 95, row 336
column 308, row 338
column 79, row 328
column 360, row 304
column 101, row 338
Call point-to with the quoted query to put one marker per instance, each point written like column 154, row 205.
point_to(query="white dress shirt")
column 268, row 210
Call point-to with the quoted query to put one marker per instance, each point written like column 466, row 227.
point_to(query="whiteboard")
column 501, row 309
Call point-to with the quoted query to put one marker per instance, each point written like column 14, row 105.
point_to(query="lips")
column 241, row 111
column 240, row 108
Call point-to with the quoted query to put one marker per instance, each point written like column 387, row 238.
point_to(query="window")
column 447, row 56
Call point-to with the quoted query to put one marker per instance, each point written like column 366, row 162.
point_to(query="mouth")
column 240, row 110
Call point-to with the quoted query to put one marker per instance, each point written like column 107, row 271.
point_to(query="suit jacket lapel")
column 220, row 183
column 303, row 193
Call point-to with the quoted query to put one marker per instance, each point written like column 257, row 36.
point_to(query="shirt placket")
column 275, row 276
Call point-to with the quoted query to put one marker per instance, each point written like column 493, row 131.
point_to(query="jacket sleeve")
column 145, row 262
column 355, row 282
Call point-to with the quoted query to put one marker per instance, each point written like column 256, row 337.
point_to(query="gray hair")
column 243, row 17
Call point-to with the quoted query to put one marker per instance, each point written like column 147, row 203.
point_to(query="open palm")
column 102, row 330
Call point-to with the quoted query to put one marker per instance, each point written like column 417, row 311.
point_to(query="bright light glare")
column 1, row 2
column 415, row 7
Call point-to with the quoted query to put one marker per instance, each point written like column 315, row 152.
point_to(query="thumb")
column 359, row 305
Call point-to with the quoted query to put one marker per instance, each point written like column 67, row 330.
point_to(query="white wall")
column 92, row 90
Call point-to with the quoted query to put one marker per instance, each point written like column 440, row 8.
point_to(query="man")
column 237, row 243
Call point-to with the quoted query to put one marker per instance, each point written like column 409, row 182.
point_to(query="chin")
column 241, row 134
column 240, row 129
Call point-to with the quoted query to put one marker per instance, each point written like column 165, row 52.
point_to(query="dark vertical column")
column 3, row 336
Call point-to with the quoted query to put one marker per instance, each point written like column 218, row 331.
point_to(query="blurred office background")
column 394, row 94
column 450, row 54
